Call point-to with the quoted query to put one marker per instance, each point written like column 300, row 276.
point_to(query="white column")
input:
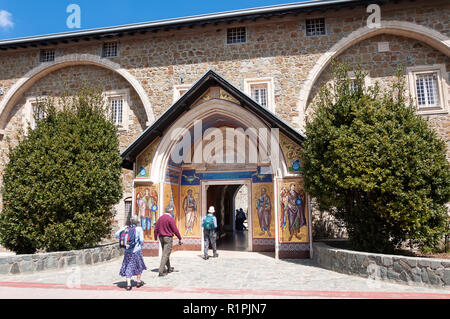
column 276, row 214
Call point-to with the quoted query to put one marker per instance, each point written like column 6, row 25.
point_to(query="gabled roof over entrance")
column 210, row 79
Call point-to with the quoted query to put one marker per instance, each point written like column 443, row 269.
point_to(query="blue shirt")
column 214, row 219
column 139, row 239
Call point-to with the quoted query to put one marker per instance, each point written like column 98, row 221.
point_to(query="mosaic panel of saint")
column 190, row 211
column 147, row 206
column 264, row 207
column 292, row 210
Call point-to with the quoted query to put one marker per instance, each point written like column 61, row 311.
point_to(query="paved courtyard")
column 232, row 275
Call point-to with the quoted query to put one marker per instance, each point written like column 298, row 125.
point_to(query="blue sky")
column 20, row 18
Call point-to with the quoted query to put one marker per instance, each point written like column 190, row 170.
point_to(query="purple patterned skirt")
column 133, row 264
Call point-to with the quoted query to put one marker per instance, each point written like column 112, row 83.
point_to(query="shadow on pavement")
column 123, row 284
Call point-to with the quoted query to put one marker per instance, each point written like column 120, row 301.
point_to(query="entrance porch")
column 199, row 157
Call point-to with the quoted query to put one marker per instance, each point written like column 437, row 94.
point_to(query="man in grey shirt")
column 209, row 224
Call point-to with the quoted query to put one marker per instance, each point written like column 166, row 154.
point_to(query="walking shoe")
column 216, row 255
column 205, row 257
column 140, row 284
column 162, row 274
column 170, row 270
column 128, row 288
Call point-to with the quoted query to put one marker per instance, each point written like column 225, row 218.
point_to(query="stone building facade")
column 285, row 50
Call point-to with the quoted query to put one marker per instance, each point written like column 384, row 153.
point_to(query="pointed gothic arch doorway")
column 220, row 194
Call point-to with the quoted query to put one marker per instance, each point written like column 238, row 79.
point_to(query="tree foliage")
column 375, row 164
column 62, row 178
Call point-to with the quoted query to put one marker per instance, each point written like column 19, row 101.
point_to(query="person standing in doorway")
column 209, row 224
column 165, row 228
column 240, row 219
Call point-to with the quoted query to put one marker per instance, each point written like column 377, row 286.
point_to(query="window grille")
column 427, row 90
column 236, row 35
column 315, row 26
column 128, row 210
column 259, row 94
column 38, row 112
column 354, row 85
column 109, row 49
column 47, row 55
column 117, row 111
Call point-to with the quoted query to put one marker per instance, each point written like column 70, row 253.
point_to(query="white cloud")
column 6, row 20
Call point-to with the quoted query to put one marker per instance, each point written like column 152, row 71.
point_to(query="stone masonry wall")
column 398, row 269
column 71, row 79
column 382, row 67
column 277, row 48
column 12, row 265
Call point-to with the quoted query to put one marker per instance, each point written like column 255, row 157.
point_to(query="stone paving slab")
column 231, row 270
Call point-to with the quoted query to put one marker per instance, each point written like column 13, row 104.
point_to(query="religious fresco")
column 144, row 160
column 293, row 217
column 205, row 97
column 172, row 198
column 172, row 164
column 263, row 217
column 188, row 177
column 146, row 208
column 172, row 175
column 260, row 177
column 224, row 95
column 190, row 217
column 292, row 153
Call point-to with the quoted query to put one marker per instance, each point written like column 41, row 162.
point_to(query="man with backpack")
column 165, row 228
column 209, row 224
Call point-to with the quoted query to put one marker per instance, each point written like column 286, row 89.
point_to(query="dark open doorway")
column 222, row 197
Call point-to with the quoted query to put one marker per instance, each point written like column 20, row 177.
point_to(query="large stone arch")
column 200, row 112
column 429, row 36
column 31, row 77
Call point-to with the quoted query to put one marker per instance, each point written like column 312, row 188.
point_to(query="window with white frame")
column 236, row 35
column 110, row 49
column 119, row 107
column 315, row 26
column 261, row 90
column 427, row 90
column 353, row 85
column 179, row 90
column 38, row 112
column 259, row 93
column 32, row 112
column 428, row 87
column 353, row 82
column 116, row 105
column 47, row 55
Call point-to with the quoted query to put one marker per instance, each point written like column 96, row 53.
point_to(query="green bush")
column 62, row 178
column 375, row 164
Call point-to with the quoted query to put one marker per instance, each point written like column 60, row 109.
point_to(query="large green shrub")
column 62, row 178
column 376, row 165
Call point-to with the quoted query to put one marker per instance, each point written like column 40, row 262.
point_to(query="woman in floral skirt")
column 133, row 262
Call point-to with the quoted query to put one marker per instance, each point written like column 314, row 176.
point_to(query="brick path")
column 232, row 275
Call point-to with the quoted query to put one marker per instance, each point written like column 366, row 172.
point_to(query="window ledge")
column 434, row 112
column 122, row 128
